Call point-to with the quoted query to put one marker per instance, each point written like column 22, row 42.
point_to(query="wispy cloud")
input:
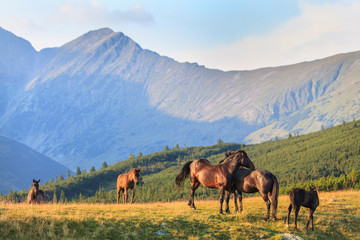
column 97, row 13
column 320, row 31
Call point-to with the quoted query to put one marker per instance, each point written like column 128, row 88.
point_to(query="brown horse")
column 219, row 176
column 35, row 195
column 258, row 180
column 309, row 199
column 127, row 181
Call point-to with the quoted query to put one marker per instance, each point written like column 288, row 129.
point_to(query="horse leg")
column 227, row 198
column 268, row 203
column 194, row 185
column 311, row 218
column 118, row 194
column 222, row 193
column 288, row 215
column 132, row 195
column 297, row 209
column 125, row 196
column 235, row 201
column 240, row 201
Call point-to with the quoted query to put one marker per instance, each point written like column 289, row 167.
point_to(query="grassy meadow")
column 337, row 217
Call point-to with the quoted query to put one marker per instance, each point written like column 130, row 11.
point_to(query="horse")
column 218, row 176
column 127, row 181
column 309, row 199
column 259, row 180
column 35, row 195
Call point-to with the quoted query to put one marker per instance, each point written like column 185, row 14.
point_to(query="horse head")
column 241, row 157
column 35, row 187
column 136, row 175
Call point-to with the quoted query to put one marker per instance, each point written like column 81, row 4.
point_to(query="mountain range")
column 101, row 96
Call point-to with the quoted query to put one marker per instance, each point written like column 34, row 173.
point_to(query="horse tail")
column 185, row 171
column 274, row 195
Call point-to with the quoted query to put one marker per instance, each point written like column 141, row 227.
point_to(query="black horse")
column 219, row 176
column 309, row 199
column 252, row 181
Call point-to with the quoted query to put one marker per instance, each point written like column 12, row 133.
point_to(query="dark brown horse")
column 127, row 181
column 219, row 176
column 252, row 181
column 35, row 195
column 309, row 199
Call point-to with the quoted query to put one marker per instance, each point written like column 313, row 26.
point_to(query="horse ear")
column 138, row 170
column 34, row 180
column 39, row 180
column 228, row 153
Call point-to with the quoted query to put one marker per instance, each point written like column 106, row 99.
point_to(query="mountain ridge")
column 101, row 97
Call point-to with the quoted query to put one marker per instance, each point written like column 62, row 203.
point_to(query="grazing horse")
column 35, row 195
column 219, row 176
column 309, row 199
column 258, row 180
column 127, row 181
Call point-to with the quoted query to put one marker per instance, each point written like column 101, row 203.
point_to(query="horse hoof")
column 265, row 219
column 274, row 218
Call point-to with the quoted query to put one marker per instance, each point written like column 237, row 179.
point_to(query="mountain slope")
column 101, row 97
column 20, row 165
column 330, row 152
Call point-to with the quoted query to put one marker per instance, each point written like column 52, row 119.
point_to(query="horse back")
column 124, row 182
column 297, row 196
column 209, row 175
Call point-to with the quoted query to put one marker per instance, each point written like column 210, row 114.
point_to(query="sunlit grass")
column 337, row 217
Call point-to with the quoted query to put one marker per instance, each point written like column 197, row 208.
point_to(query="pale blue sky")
column 227, row 35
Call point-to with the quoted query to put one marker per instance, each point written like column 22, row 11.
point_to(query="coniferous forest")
column 328, row 159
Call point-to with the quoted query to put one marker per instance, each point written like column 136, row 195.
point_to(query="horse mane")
column 229, row 153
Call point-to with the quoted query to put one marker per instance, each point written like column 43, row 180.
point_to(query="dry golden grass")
column 337, row 217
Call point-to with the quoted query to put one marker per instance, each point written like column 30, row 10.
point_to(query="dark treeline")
column 328, row 159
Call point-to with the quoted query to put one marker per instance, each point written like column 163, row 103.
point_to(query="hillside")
column 20, row 165
column 330, row 152
column 102, row 96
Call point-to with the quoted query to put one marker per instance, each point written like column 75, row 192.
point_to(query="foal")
column 309, row 199
column 127, row 181
column 35, row 195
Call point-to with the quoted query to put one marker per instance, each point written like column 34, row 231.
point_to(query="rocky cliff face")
column 101, row 97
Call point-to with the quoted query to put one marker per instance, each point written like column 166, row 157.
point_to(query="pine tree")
column 92, row 169
column 54, row 198
column 62, row 197
column 78, row 172
column 68, row 174
column 61, row 177
column 104, row 165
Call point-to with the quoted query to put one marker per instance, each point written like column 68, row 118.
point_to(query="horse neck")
column 32, row 191
column 130, row 176
column 232, row 165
